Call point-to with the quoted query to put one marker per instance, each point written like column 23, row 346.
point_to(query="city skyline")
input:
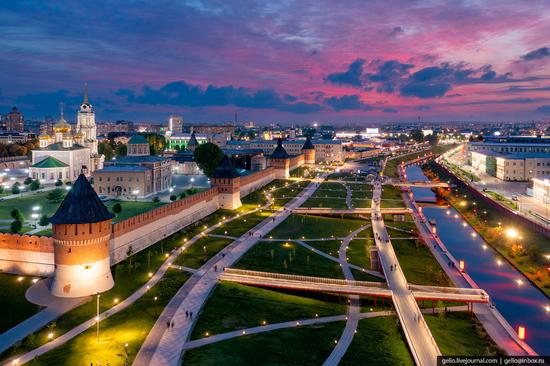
column 281, row 62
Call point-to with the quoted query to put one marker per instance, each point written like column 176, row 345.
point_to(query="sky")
column 359, row 62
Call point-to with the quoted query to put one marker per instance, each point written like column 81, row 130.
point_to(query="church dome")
column 62, row 126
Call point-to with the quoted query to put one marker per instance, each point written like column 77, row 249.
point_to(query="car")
column 515, row 197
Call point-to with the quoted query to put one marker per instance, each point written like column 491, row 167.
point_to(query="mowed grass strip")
column 234, row 306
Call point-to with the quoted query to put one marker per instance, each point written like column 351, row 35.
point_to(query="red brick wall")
column 132, row 223
column 246, row 179
column 26, row 242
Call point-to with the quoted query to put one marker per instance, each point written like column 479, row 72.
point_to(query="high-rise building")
column 175, row 124
column 15, row 121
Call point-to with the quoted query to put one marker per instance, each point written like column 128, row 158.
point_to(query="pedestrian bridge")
column 350, row 211
column 363, row 288
column 422, row 184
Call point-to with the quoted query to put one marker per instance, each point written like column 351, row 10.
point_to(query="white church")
column 64, row 156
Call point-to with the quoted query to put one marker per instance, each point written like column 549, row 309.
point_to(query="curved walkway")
column 165, row 347
column 67, row 336
column 354, row 308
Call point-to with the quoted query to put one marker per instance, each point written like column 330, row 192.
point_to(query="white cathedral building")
column 64, row 156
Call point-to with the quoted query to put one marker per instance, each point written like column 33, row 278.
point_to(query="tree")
column 129, row 253
column 432, row 139
column 15, row 189
column 27, row 181
column 105, row 148
column 117, row 208
column 35, row 185
column 156, row 200
column 417, row 136
column 121, row 150
column 58, row 183
column 16, row 226
column 173, row 197
column 56, row 195
column 1, row 189
column 17, row 215
column 44, row 221
column 208, row 156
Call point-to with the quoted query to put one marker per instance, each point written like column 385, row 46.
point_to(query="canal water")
column 519, row 301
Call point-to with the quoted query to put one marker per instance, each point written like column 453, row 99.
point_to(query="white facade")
column 85, row 125
column 541, row 189
column 75, row 157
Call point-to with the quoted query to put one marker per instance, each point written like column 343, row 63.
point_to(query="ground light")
column 521, row 332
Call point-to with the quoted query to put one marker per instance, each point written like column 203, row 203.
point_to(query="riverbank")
column 525, row 249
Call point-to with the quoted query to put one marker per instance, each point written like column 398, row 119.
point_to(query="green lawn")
column 391, row 166
column 131, row 326
column 379, row 342
column 132, row 208
column 458, row 335
column 233, row 306
column 25, row 205
column 303, row 172
column 418, row 264
column 241, row 225
column 296, row 226
column 288, row 258
column 330, row 202
column 330, row 247
column 295, row 346
column 358, row 252
column 201, row 251
column 13, row 302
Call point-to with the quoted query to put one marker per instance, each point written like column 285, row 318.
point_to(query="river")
column 518, row 300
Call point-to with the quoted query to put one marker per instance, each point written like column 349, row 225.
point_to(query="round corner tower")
column 228, row 181
column 309, row 152
column 280, row 161
column 81, row 231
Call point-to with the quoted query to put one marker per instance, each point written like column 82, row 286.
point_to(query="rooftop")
column 50, row 162
column 81, row 205
column 225, row 169
column 58, row 146
column 122, row 168
column 138, row 139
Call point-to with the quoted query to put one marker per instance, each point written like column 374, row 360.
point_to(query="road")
column 421, row 342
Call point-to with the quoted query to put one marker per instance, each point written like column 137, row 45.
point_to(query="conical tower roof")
column 81, row 205
column 279, row 152
column 192, row 141
column 308, row 145
column 225, row 169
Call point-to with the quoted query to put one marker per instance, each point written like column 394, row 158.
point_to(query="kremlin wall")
column 85, row 243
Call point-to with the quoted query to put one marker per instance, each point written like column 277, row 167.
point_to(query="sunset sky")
column 279, row 61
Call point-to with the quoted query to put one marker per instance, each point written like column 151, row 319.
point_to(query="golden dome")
column 62, row 126
column 44, row 137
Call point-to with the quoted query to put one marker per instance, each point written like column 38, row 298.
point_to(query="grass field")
column 13, row 302
column 201, row 251
column 295, row 346
column 330, row 202
column 288, row 258
column 358, row 252
column 330, row 247
column 298, row 226
column 132, row 208
column 242, row 224
column 458, row 335
column 233, row 306
column 379, row 342
column 418, row 264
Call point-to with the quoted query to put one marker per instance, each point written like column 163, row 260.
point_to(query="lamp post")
column 97, row 317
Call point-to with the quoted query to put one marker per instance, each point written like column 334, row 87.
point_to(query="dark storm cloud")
column 181, row 93
column 429, row 82
column 352, row 76
column 536, row 54
column 396, row 31
column 347, row 102
column 544, row 109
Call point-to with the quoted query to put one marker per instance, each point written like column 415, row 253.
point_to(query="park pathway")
column 165, row 346
column 421, row 342
column 354, row 308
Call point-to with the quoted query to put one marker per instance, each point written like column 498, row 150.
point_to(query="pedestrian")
column 168, row 324
column 173, row 324
column 215, row 268
column 186, row 314
column 391, row 268
column 191, row 315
